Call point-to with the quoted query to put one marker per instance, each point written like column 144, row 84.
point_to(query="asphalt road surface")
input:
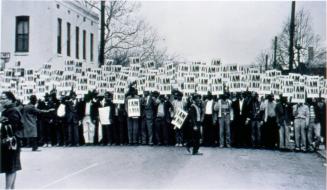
column 145, row 167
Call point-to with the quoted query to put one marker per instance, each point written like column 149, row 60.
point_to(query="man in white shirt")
column 209, row 121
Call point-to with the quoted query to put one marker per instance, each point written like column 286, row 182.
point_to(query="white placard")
column 179, row 118
column 134, row 108
column 217, row 86
column 119, row 95
column 299, row 94
column 104, row 114
column 265, row 87
column 288, row 87
column 312, row 87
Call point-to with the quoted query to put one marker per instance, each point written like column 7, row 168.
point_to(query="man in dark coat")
column 72, row 119
column 194, row 119
column 147, row 109
column 108, row 129
column 238, row 130
column 29, row 115
column 162, row 121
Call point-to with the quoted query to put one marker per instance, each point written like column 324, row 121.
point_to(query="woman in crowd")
column 11, row 132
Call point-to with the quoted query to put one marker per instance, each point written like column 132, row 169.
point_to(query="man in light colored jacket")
column 225, row 116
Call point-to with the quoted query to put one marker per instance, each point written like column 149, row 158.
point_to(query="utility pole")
column 266, row 62
column 292, row 30
column 299, row 64
column 275, row 53
column 102, row 42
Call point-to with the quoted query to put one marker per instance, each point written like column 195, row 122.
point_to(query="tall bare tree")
column 127, row 34
column 303, row 39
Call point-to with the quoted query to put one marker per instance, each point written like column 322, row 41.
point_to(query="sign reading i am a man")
column 299, row 94
column 134, row 107
column 179, row 118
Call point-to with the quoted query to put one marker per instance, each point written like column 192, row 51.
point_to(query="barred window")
column 22, row 33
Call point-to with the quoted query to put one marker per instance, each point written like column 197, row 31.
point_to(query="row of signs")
column 188, row 78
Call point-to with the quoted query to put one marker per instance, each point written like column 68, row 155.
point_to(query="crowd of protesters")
column 230, row 120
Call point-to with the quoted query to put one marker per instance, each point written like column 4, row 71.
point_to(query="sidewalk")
column 322, row 151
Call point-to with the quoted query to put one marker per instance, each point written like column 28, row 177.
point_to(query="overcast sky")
column 236, row 32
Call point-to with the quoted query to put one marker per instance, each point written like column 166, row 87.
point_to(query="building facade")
column 48, row 32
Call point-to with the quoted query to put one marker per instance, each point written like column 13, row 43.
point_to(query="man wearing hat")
column 162, row 121
column 194, row 120
column 209, row 121
column 108, row 129
column 72, row 118
column 271, row 132
column 132, row 120
column 148, row 109
column 177, row 104
column 225, row 116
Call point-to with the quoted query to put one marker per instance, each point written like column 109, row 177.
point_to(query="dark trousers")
column 209, row 129
column 271, row 134
column 107, row 134
column 239, row 132
column 33, row 142
column 73, row 134
column 45, row 128
column 161, row 131
column 133, row 128
column 60, row 134
column 121, row 129
column 96, row 132
column 147, row 130
column 194, row 141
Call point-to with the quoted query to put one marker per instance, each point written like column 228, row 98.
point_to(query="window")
column 91, row 47
column 68, row 39
column 59, row 36
column 58, row 6
column 22, row 33
column 84, row 44
column 77, row 42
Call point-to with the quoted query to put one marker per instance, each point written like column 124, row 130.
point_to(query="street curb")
column 322, row 154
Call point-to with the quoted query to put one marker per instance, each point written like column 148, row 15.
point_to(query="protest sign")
column 140, row 83
column 216, row 62
column 312, row 87
column 179, row 118
column 164, row 86
column 119, row 95
column 134, row 60
column 244, row 83
column 273, row 73
column 134, row 107
column 149, row 64
column 288, row 87
column 235, row 82
column 265, row 87
column 203, row 86
column 275, row 88
column 150, row 83
column 104, row 114
column 254, row 82
column 295, row 77
column 299, row 94
column 217, row 86
column 134, row 72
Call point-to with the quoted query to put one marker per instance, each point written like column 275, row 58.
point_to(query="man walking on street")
column 194, row 118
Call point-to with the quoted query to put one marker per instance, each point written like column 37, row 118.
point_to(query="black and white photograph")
column 163, row 94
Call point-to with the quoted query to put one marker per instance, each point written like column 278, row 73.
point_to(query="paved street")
column 143, row 167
